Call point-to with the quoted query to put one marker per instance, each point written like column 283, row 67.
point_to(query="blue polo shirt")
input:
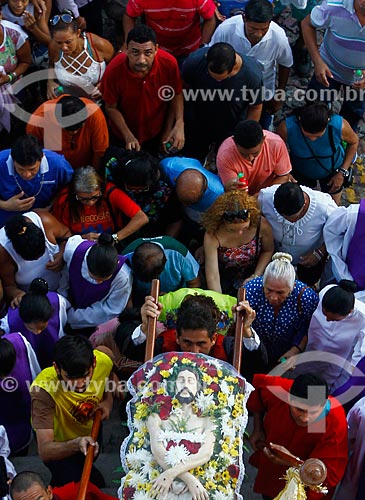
column 173, row 167
column 54, row 173
column 180, row 267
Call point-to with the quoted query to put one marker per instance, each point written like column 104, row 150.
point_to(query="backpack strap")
column 112, row 213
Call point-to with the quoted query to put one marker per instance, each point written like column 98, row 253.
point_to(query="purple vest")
column 43, row 344
column 356, row 251
column 83, row 293
column 15, row 404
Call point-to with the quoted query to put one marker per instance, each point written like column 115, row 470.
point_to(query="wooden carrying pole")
column 151, row 328
column 238, row 337
column 89, row 457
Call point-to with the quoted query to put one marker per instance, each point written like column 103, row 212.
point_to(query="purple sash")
column 43, row 344
column 83, row 293
column 356, row 252
column 15, row 404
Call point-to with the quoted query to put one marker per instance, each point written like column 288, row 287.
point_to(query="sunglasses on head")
column 136, row 189
column 86, row 200
column 66, row 18
column 231, row 215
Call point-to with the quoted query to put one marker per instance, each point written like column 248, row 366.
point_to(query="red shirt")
column 137, row 97
column 96, row 218
column 176, row 23
column 329, row 445
column 70, row 490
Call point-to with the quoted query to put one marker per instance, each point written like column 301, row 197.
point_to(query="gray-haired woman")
column 89, row 207
column 284, row 307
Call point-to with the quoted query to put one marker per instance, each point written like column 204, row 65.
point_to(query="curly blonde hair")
column 233, row 201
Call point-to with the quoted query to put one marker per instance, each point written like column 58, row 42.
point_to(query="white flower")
column 210, row 473
column 177, row 411
column 176, row 455
column 204, row 401
column 214, row 362
column 142, row 495
column 218, row 495
column 135, row 478
column 148, row 374
column 231, row 400
column 135, row 459
column 225, row 388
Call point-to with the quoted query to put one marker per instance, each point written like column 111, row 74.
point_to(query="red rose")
column 215, row 387
column 192, row 448
column 234, row 470
column 170, row 444
column 128, row 493
column 212, row 371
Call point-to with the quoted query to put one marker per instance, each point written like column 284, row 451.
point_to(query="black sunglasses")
column 66, row 18
column 231, row 215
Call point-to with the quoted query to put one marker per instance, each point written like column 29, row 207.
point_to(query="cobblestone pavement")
column 356, row 192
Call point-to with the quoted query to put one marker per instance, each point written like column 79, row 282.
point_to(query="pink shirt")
column 272, row 161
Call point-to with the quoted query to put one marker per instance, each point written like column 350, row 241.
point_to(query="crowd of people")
column 160, row 158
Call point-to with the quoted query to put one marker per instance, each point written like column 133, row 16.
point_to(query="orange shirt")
column 78, row 148
column 272, row 161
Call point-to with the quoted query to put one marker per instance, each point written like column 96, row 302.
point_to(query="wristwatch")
column 344, row 172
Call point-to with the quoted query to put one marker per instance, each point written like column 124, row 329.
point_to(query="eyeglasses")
column 66, row 18
column 231, row 215
column 83, row 199
column 136, row 189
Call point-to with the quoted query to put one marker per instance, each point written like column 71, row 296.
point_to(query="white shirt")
column 273, row 49
column 346, row 338
column 102, row 311
column 356, row 435
column 306, row 234
column 139, row 337
column 338, row 232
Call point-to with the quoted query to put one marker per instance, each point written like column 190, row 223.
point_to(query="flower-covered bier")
column 186, row 420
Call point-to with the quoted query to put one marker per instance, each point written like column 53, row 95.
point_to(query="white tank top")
column 28, row 270
column 80, row 75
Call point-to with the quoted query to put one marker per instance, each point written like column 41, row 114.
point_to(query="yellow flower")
column 239, row 398
column 208, row 391
column 235, row 414
column 175, row 403
column 200, row 471
column 209, row 485
column 140, row 487
column 219, row 373
column 141, row 411
column 158, row 362
column 236, row 442
column 173, row 359
column 154, row 474
column 218, row 477
column 225, row 448
column 186, row 361
column 222, row 398
column 226, row 476
column 147, row 486
column 164, row 373
column 234, row 482
column 207, row 378
column 233, row 452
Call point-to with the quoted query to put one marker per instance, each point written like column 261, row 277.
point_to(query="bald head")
column 190, row 186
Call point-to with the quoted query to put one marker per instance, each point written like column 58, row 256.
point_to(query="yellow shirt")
column 72, row 409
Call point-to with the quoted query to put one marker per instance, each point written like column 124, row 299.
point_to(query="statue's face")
column 186, row 386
